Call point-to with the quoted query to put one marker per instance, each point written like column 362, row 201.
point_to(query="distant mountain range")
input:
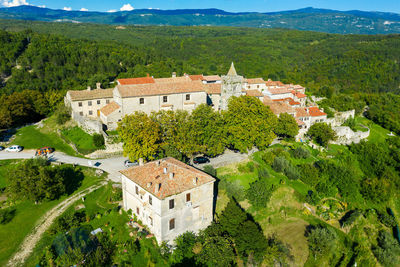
column 310, row 19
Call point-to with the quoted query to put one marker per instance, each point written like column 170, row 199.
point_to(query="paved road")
column 30, row 241
column 111, row 165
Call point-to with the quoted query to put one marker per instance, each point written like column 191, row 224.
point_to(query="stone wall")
column 341, row 117
column 90, row 126
column 346, row 136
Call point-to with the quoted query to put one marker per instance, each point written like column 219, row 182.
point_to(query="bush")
column 259, row 193
column 386, row 219
column 268, row 157
column 62, row 114
column 6, row 215
column 210, row 170
column 301, row 153
column 280, row 164
column 98, row 140
column 262, row 173
column 309, row 174
column 349, row 218
column 388, row 250
column 292, row 173
column 248, row 167
column 233, row 189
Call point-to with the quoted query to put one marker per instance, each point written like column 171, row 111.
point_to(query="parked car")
column 14, row 148
column 129, row 163
column 200, row 160
column 2, row 148
column 44, row 151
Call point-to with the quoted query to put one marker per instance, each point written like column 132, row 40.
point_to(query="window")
column 258, row 86
column 171, row 224
column 248, row 86
column 141, row 101
column 187, row 197
column 171, row 204
column 187, row 97
column 165, row 99
column 107, row 101
column 98, row 102
column 137, row 211
column 89, row 103
column 90, row 112
column 80, row 104
column 81, row 113
column 137, row 190
column 150, row 200
column 151, row 221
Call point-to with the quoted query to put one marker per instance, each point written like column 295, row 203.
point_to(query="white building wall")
column 189, row 216
column 278, row 96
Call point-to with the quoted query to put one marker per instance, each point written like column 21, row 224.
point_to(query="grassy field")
column 31, row 137
column 82, row 140
column 27, row 214
column 377, row 133
column 5, row 166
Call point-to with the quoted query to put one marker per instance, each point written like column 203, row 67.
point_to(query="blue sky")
column 228, row 5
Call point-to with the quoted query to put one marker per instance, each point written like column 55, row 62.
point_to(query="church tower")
column 232, row 85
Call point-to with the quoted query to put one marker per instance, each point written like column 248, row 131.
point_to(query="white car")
column 14, row 148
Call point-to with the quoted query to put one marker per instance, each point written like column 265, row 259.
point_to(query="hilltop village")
column 148, row 94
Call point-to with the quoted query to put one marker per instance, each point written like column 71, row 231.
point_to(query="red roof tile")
column 77, row 95
column 196, row 77
column 167, row 177
column 255, row 93
column 279, row 90
column 274, row 83
column 315, row 112
column 141, row 80
column 211, row 78
column 109, row 108
column 255, row 81
column 212, row 88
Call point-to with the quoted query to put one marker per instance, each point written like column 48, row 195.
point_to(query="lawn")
column 377, row 133
column 27, row 214
column 4, row 169
column 82, row 140
column 30, row 137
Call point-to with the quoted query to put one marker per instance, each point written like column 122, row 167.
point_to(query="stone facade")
column 232, row 85
column 169, row 197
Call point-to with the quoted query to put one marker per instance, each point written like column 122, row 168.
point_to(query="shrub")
column 262, row 173
column 388, row 250
column 386, row 219
column 98, row 140
column 233, row 189
column 280, row 164
column 62, row 114
column 210, row 170
column 6, row 215
column 292, row 173
column 301, row 153
column 248, row 167
column 309, row 174
column 259, row 193
column 268, row 157
column 349, row 218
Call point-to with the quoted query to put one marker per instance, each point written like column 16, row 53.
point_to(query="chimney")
column 147, row 75
column 157, row 189
column 171, row 175
column 98, row 85
column 174, row 75
column 89, row 88
column 165, row 170
column 195, row 180
column 141, row 162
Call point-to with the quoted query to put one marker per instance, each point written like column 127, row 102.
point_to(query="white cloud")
column 67, row 8
column 43, row 6
column 112, row 11
column 15, row 3
column 84, row 9
column 126, row 7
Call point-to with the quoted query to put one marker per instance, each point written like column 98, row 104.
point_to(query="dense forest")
column 42, row 60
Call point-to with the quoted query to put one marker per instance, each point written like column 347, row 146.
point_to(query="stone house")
column 169, row 197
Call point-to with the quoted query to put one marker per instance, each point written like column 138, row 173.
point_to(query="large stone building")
column 169, row 197
column 148, row 94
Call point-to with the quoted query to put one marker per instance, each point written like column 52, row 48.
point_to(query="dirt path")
column 44, row 223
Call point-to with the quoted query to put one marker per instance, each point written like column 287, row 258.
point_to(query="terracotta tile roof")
column 141, row 80
column 267, row 100
column 298, row 94
column 255, row 93
column 155, row 177
column 255, row 80
column 212, row 88
column 280, row 107
column 279, row 90
column 301, row 113
column 293, row 103
column 173, row 79
column 109, row 108
column 77, row 95
column 211, row 78
column 160, row 88
column 283, row 99
column 315, row 112
column 274, row 83
column 196, row 77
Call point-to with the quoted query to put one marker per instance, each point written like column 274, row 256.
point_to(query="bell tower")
column 232, row 85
